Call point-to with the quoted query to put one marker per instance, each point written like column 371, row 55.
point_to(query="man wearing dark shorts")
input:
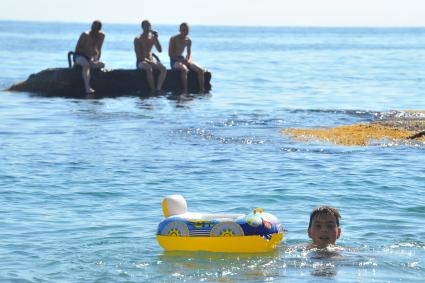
column 177, row 46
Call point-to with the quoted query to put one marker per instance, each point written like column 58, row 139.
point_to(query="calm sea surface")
column 81, row 181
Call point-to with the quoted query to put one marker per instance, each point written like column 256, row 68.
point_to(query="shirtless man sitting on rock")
column 178, row 43
column 143, row 45
column 87, row 53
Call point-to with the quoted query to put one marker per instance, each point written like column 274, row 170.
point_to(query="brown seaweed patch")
column 353, row 135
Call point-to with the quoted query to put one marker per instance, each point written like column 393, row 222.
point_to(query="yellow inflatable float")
column 188, row 231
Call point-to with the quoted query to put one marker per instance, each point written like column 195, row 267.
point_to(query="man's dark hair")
column 98, row 23
column 145, row 22
column 184, row 25
column 325, row 210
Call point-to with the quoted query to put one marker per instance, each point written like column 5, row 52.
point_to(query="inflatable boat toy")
column 188, row 231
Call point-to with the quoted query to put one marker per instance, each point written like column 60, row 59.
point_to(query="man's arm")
column 171, row 48
column 157, row 43
column 137, row 50
column 189, row 51
column 102, row 38
column 79, row 48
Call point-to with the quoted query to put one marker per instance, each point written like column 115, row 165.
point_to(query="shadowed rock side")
column 107, row 83
column 395, row 129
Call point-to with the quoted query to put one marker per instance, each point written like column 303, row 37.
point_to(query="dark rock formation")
column 107, row 83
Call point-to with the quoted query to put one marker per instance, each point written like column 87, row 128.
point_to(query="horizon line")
column 218, row 25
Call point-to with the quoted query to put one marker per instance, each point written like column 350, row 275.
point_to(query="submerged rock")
column 404, row 128
column 107, row 83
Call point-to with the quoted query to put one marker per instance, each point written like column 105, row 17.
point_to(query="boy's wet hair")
column 325, row 210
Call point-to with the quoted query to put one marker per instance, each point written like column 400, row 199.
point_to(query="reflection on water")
column 287, row 261
column 323, row 261
column 222, row 267
column 180, row 99
column 323, row 269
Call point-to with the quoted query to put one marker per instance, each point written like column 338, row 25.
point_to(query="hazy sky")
column 223, row 12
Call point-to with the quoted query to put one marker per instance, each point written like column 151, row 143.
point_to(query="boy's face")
column 324, row 230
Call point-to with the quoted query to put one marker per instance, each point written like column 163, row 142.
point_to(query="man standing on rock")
column 178, row 43
column 143, row 45
column 88, row 51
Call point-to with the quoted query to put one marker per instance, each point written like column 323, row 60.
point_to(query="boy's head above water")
column 324, row 228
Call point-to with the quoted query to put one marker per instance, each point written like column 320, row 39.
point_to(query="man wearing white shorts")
column 88, row 51
column 143, row 45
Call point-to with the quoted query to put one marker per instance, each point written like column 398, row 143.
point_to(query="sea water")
column 81, row 181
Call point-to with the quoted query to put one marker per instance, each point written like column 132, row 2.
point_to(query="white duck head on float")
column 188, row 231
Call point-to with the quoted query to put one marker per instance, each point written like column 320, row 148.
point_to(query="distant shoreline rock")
column 65, row 82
